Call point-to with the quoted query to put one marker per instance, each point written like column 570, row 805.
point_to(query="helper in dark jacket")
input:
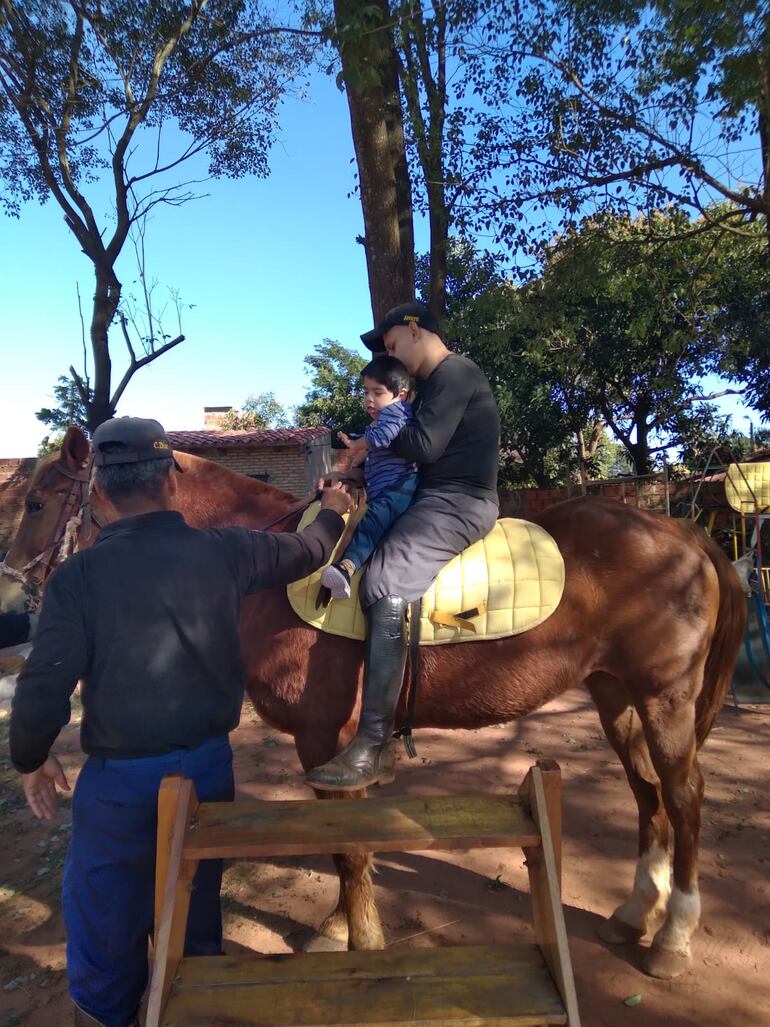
column 454, row 440
column 17, row 628
column 147, row 618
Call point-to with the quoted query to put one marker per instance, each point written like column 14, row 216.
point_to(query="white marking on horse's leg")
column 682, row 916
column 652, row 887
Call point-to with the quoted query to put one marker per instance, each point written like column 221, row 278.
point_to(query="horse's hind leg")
column 623, row 728
column 669, row 725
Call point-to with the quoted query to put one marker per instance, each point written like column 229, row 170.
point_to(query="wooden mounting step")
column 465, row 986
column 460, row 986
column 223, row 830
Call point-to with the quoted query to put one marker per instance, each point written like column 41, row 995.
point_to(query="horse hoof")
column 616, row 932
column 664, row 963
column 320, row 943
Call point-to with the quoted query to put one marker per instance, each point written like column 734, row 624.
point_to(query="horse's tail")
column 728, row 635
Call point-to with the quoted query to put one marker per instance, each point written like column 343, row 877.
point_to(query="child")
column 390, row 480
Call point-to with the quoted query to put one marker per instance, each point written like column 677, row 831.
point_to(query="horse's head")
column 56, row 496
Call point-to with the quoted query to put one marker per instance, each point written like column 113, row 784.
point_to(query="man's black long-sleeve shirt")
column 148, row 619
column 455, row 436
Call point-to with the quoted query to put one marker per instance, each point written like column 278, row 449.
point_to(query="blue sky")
column 271, row 266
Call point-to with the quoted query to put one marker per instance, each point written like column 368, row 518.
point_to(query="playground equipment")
column 504, row 985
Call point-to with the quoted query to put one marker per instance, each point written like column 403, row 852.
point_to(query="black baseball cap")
column 407, row 313
column 130, row 440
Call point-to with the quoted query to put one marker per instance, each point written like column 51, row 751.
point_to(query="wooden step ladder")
column 462, row 986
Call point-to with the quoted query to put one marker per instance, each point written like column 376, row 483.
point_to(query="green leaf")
column 633, row 1000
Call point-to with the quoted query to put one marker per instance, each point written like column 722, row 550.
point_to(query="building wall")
column 213, row 417
column 282, row 466
column 319, row 462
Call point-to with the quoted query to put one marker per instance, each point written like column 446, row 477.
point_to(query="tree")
column 88, row 90
column 262, row 411
column 334, row 398
column 363, row 36
column 613, row 334
column 621, row 106
column 69, row 409
column 486, row 322
column 634, row 330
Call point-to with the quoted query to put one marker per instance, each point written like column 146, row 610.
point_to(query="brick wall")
column 14, row 480
column 282, row 466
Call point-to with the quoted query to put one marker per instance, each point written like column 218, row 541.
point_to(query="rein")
column 298, row 508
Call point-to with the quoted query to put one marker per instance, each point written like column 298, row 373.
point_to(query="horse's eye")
column 33, row 508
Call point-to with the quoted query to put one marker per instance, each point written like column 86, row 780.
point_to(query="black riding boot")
column 369, row 759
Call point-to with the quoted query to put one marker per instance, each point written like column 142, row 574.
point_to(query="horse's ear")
column 74, row 450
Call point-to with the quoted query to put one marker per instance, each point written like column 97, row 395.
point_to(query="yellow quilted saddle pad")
column 506, row 583
column 747, row 487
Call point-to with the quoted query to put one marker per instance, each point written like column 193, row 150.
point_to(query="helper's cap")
column 130, row 440
column 406, row 313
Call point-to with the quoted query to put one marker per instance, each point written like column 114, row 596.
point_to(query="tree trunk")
column 106, row 299
column 438, row 217
column 370, row 71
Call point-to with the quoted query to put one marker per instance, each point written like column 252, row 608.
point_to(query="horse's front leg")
column 354, row 923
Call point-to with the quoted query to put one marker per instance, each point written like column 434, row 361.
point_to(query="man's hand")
column 336, row 498
column 40, row 788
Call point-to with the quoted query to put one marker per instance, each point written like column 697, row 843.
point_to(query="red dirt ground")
column 432, row 899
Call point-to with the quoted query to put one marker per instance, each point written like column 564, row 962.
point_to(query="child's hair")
column 390, row 372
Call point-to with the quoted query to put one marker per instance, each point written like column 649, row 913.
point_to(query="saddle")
column 508, row 582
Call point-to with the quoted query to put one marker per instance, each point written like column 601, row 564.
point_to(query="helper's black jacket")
column 148, row 619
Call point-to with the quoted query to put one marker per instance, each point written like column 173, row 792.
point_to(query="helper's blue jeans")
column 380, row 515
column 109, row 875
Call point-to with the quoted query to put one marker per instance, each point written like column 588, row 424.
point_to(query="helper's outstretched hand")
column 40, row 788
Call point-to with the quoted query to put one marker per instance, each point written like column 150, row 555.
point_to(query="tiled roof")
column 187, row 440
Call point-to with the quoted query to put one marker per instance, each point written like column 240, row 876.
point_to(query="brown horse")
column 650, row 622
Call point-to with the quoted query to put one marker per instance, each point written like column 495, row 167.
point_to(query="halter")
column 75, row 513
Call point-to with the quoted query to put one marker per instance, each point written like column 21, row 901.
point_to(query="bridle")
column 76, row 513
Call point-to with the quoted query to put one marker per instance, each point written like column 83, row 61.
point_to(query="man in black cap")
column 17, row 628
column 147, row 618
column 454, row 440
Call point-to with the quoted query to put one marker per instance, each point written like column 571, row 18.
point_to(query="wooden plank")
column 291, row 828
column 167, row 801
column 237, row 969
column 551, row 776
column 547, row 912
column 514, row 994
column 176, row 899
